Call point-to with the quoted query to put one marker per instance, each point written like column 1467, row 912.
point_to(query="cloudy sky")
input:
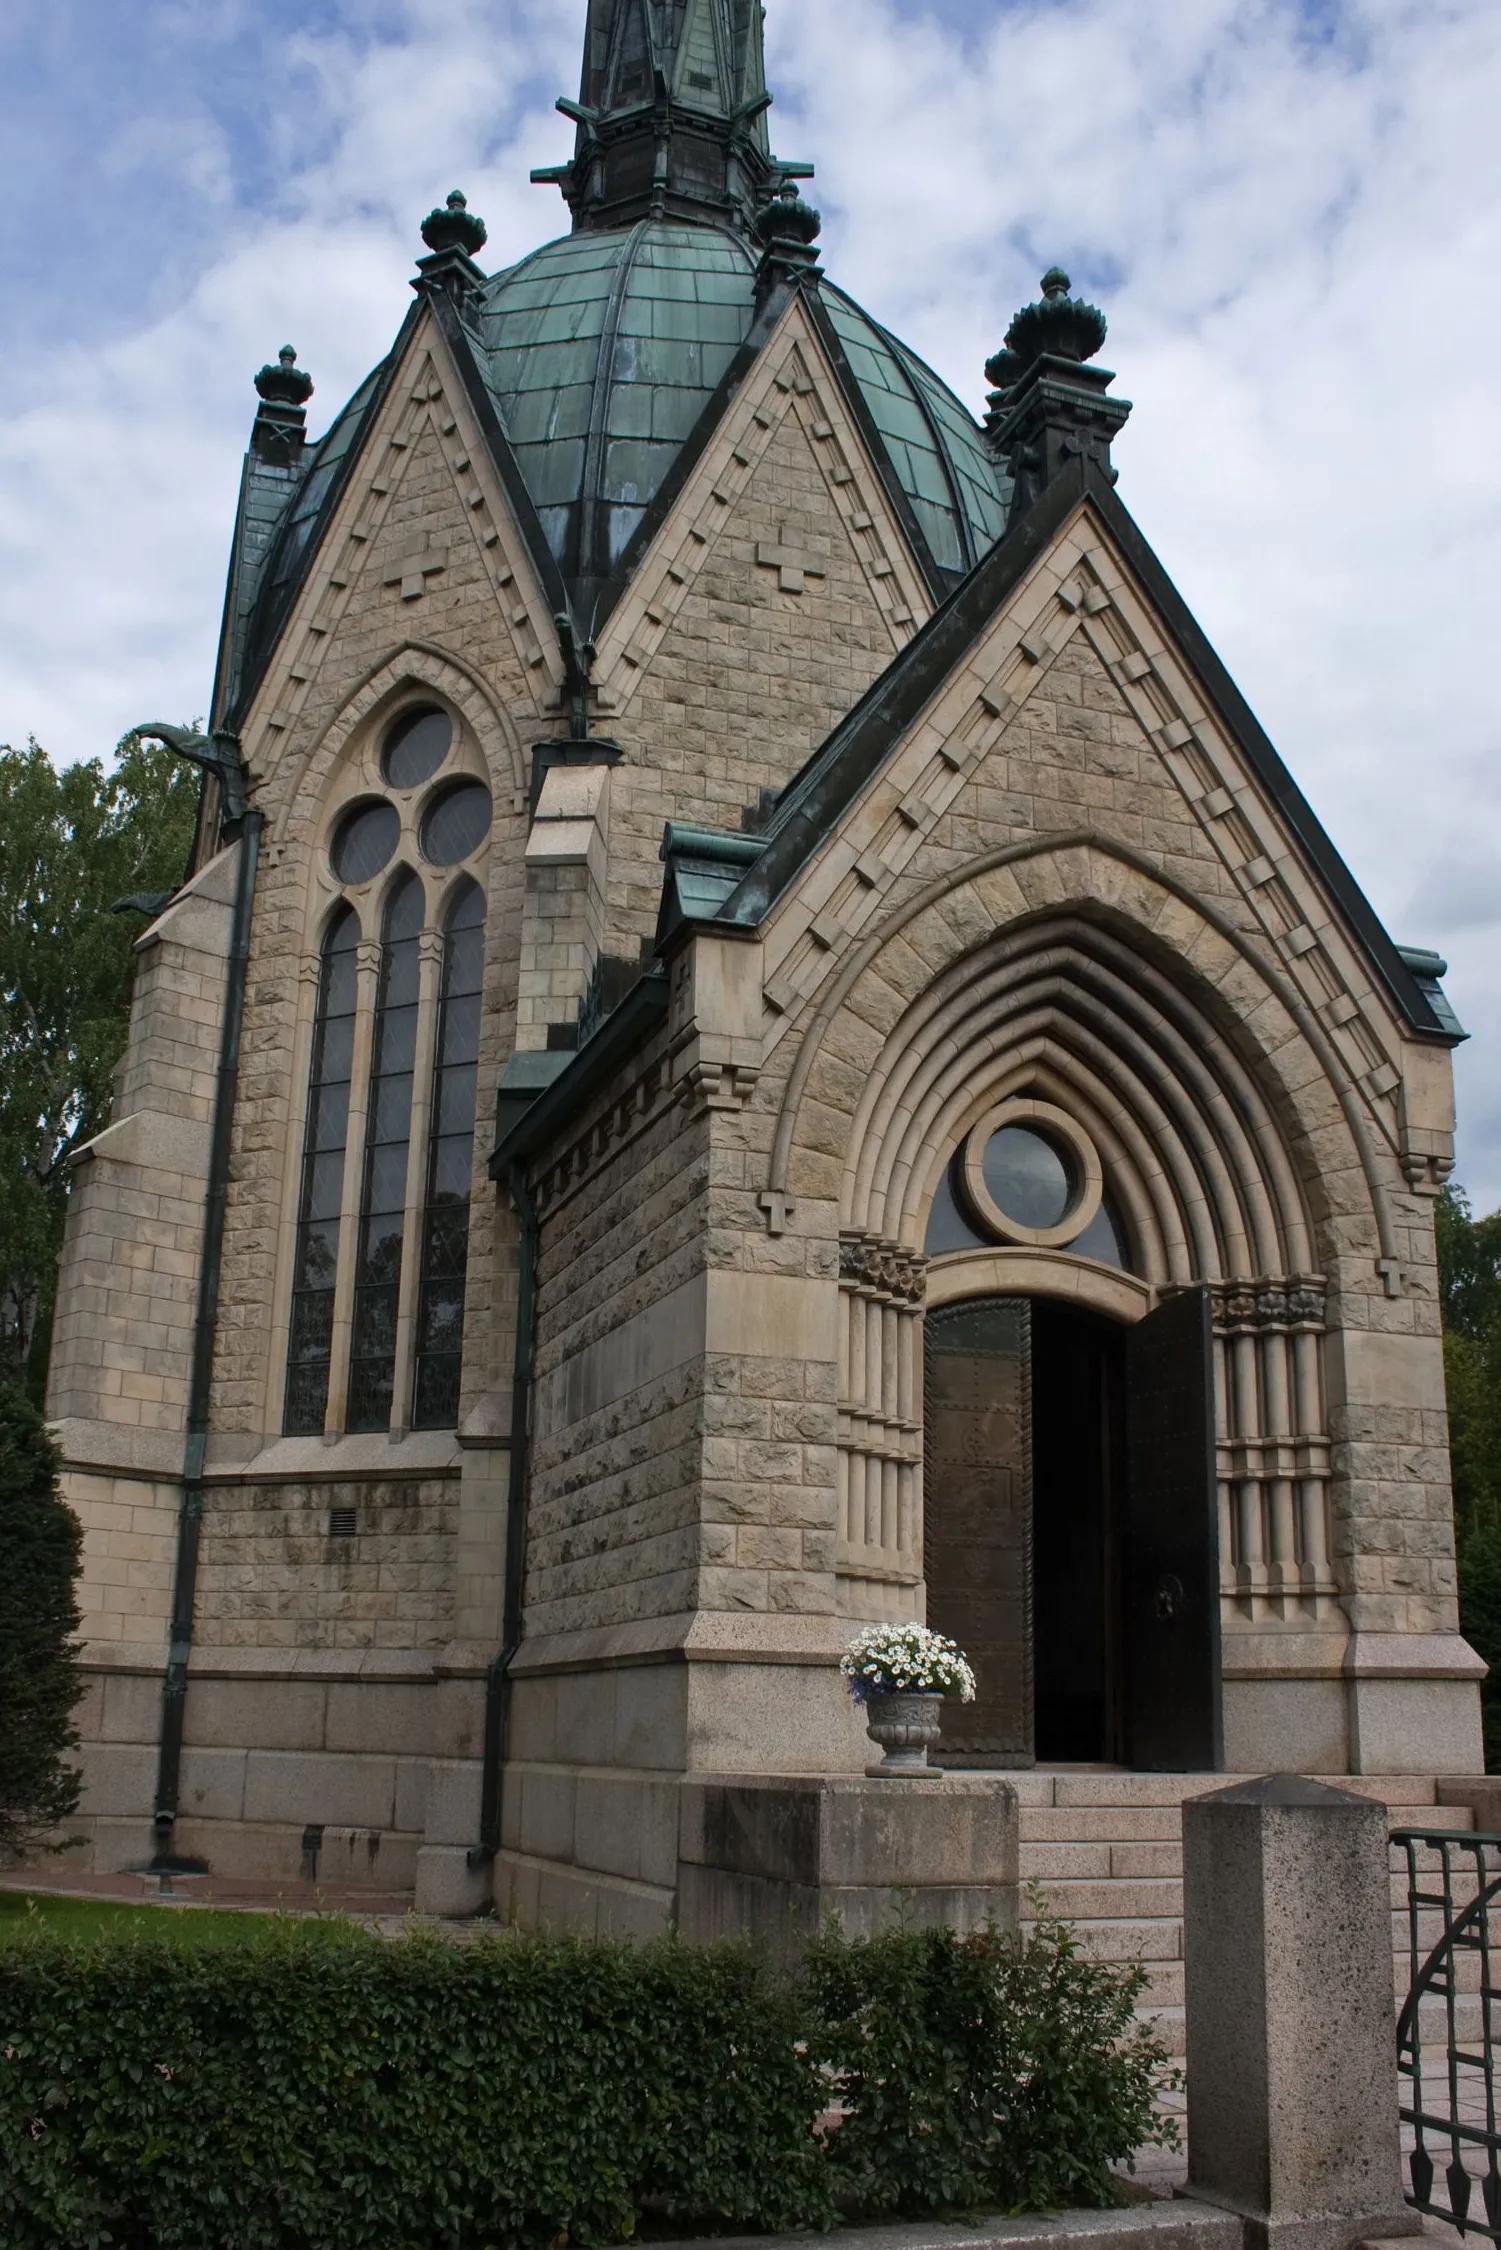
column 1290, row 209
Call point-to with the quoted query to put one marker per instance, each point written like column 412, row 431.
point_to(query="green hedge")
column 317, row 2088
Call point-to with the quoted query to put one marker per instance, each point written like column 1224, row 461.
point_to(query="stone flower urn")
column 904, row 1726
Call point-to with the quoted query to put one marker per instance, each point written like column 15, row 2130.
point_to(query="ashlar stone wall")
column 366, row 1565
column 128, row 1281
column 683, row 1456
column 780, row 587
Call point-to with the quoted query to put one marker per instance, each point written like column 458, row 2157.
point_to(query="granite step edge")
column 1180, row 2224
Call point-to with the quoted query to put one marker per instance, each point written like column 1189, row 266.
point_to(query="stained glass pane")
column 364, row 842
column 456, row 824
column 388, row 1133
column 948, row 1227
column 1104, row 1238
column 415, row 748
column 1027, row 1174
column 317, row 1254
column 445, row 1224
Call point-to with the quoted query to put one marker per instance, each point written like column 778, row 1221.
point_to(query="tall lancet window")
column 377, row 1276
column 445, row 1219
column 376, row 1318
column 317, row 1253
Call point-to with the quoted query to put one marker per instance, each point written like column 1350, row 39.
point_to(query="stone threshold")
column 1181, row 2224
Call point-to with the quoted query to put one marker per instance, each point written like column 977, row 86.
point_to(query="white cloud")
column 1295, row 237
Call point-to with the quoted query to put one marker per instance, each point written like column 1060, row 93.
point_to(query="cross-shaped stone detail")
column 417, row 563
column 795, row 568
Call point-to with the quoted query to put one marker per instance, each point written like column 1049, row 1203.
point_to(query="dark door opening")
column 1077, row 1469
column 1071, row 1531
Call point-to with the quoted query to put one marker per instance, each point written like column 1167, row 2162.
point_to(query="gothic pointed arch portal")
column 991, row 1353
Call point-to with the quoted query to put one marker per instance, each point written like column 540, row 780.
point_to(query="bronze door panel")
column 1174, row 1721
column 978, row 1518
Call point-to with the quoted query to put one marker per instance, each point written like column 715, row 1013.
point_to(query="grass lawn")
column 23, row 1911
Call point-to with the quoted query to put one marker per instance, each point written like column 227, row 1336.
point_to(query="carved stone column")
column 879, row 1560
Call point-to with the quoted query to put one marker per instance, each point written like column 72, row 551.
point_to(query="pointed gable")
column 1069, row 653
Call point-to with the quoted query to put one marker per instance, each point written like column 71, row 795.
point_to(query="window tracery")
column 375, row 1329
column 445, row 1219
column 388, row 1138
column 317, row 1248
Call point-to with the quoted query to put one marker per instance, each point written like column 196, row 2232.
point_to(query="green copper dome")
column 606, row 348
column 602, row 362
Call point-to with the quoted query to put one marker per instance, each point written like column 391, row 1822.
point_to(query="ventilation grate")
column 341, row 1523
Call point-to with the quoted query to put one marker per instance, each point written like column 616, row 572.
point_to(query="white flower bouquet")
column 905, row 1660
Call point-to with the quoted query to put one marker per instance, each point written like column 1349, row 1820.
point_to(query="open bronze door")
column 977, row 1519
column 1171, row 1542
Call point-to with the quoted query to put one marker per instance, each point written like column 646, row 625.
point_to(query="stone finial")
column 285, row 383
column 1047, row 405
column 280, row 420
column 787, row 219
column 453, row 226
column 452, row 233
column 787, row 228
column 1057, row 326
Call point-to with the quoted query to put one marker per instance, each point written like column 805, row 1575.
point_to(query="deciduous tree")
column 1469, row 1251
column 71, row 845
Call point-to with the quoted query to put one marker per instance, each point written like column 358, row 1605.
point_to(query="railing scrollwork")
column 1446, row 2031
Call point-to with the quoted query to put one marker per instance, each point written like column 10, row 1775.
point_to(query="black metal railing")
column 1446, row 2033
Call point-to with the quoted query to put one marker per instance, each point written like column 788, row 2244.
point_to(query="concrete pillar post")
column 1292, row 2075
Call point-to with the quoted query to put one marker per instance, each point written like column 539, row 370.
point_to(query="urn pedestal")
column 905, row 1727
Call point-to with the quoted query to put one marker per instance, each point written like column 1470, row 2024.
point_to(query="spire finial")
column 1048, row 406
column 285, row 384
column 788, row 228
column 281, row 419
column 1060, row 326
column 453, row 226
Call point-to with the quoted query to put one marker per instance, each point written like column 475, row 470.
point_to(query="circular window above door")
column 1031, row 1175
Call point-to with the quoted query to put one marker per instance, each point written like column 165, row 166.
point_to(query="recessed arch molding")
column 1102, row 991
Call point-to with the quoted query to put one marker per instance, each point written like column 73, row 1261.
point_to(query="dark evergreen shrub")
column 39, row 1679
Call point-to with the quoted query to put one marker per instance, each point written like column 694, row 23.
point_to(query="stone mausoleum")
column 757, row 1040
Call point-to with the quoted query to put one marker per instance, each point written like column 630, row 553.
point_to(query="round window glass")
column 1029, row 1176
column 415, row 748
column 456, row 823
column 364, row 840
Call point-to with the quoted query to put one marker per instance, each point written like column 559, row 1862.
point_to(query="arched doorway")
column 1070, row 1536
column 1066, row 1112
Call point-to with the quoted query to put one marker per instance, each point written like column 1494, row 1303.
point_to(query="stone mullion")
column 429, row 976
column 368, row 970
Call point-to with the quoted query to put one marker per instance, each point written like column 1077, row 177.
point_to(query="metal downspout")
column 498, row 1678
column 200, row 1381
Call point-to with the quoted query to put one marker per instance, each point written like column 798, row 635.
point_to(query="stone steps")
column 1104, row 1850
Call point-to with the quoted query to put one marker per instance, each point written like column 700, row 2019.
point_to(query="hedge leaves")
column 318, row 2088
